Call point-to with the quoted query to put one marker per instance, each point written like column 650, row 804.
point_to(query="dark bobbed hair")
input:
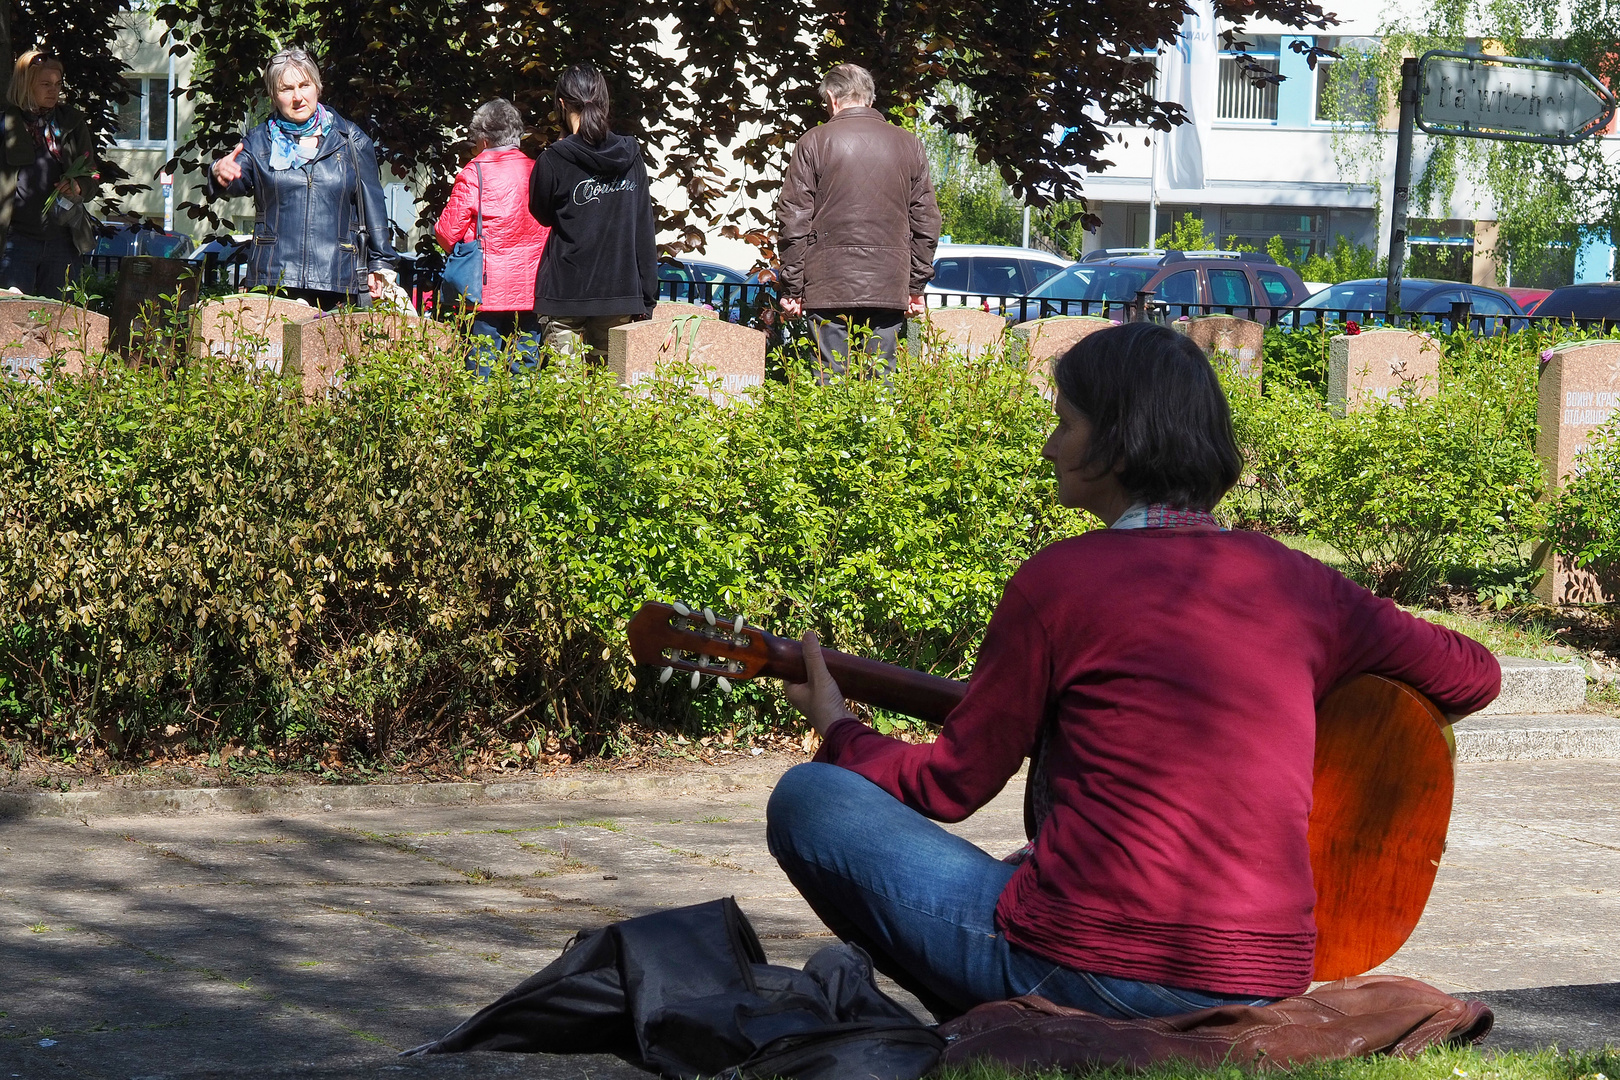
column 583, row 90
column 1158, row 416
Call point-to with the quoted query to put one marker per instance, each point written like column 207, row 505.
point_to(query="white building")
column 1271, row 168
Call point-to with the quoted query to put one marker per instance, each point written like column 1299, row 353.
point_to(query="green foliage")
column 1187, row 234
column 1435, row 1063
column 424, row 557
column 1345, row 262
column 1584, row 518
column 1540, row 195
column 1408, row 488
column 699, row 83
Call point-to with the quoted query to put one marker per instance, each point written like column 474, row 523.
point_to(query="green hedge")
column 1410, row 490
column 1584, row 520
column 425, row 560
column 202, row 557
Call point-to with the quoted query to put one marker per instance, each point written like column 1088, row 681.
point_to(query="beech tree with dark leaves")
column 718, row 91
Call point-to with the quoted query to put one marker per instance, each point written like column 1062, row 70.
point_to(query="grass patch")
column 1504, row 636
column 1437, row 1063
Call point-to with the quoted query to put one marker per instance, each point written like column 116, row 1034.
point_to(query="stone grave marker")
column 676, row 309
column 247, row 328
column 35, row 332
column 317, row 349
column 1227, row 339
column 969, row 329
column 151, row 292
column 1375, row 363
column 735, row 353
column 1051, row 337
column 1579, row 390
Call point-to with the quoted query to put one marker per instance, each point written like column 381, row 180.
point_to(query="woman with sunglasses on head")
column 49, row 152
column 320, row 231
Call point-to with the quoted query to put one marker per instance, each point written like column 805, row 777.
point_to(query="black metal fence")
column 755, row 304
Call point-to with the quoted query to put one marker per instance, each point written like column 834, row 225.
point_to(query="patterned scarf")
column 47, row 132
column 286, row 152
column 1038, row 798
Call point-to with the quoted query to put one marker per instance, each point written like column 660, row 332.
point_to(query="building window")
column 1303, row 233
column 143, row 115
column 1239, row 98
column 1347, row 87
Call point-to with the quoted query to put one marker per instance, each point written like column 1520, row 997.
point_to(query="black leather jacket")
column 320, row 226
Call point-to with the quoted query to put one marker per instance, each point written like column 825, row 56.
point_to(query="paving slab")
column 314, row 943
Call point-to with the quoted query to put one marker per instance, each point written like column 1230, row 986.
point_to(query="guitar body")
column 1381, row 792
column 1380, row 807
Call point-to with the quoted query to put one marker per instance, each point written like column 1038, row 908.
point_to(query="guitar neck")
column 885, row 686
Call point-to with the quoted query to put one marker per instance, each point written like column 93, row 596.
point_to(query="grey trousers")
column 875, row 331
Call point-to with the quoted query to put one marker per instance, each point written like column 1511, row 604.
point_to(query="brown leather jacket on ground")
column 857, row 215
column 1350, row 1018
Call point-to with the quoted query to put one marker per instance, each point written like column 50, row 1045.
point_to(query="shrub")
column 425, row 558
column 1583, row 519
column 1406, row 489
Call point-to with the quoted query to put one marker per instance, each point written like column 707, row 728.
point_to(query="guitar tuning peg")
column 663, row 676
column 681, row 609
column 736, row 627
column 697, row 677
column 724, row 683
column 708, row 616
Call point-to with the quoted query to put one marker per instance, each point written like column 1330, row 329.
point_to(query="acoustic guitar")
column 1381, row 795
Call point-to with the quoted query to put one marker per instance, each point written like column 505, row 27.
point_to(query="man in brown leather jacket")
column 858, row 224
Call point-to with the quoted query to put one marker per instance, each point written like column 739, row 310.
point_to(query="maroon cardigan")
column 1183, row 667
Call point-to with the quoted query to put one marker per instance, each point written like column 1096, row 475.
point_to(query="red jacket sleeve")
column 984, row 740
column 456, row 222
column 1375, row 636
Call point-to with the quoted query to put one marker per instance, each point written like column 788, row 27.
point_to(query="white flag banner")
column 1192, row 75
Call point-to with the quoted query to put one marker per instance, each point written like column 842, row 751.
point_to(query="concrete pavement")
column 301, row 941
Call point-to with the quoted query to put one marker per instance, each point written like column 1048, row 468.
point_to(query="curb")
column 1537, row 738
column 317, row 798
column 1538, row 686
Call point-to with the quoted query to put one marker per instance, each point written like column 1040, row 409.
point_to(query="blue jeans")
column 922, row 902
column 40, row 265
column 500, row 330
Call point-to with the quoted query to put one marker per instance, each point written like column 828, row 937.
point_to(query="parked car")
column 1183, row 283
column 978, row 271
column 1527, row 299
column 1362, row 300
column 117, row 239
column 687, row 280
column 1588, row 300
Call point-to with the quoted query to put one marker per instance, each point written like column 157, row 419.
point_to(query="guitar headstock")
column 676, row 638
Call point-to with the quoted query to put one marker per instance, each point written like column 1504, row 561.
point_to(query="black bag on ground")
column 687, row 993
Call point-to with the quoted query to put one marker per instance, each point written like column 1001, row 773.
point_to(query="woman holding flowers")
column 320, row 232
column 49, row 174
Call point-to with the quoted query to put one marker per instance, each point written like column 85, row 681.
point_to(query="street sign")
column 1511, row 98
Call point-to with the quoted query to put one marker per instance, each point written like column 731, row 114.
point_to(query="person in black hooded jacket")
column 600, row 268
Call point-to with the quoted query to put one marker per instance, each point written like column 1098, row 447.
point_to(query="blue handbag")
column 462, row 283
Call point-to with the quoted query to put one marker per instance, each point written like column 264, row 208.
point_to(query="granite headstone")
column 969, row 330
column 1227, row 339
column 247, row 328
column 1374, row 364
column 736, row 354
column 1579, row 390
column 36, row 333
column 1049, row 338
column 317, row 349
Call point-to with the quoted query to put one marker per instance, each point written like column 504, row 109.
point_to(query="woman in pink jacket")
column 496, row 181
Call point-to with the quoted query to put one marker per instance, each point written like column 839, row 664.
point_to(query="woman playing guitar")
column 1165, row 673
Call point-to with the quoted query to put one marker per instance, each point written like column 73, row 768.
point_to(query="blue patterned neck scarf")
column 285, row 149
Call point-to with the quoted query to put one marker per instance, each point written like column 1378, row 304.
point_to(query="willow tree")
column 1541, row 196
